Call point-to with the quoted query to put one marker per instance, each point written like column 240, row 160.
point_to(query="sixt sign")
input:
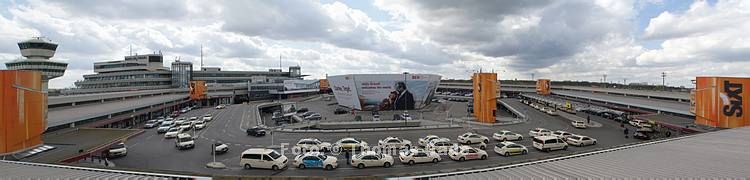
column 732, row 99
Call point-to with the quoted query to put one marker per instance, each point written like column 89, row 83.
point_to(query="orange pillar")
column 543, row 86
column 198, row 90
column 23, row 107
column 721, row 101
column 485, row 94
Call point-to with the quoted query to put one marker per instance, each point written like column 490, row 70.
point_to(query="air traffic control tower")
column 38, row 52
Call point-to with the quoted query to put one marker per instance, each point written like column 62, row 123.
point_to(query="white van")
column 184, row 141
column 548, row 143
column 262, row 158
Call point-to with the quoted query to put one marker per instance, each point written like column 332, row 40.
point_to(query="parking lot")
column 151, row 151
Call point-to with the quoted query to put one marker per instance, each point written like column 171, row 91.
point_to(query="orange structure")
column 23, row 110
column 324, row 86
column 198, row 90
column 543, row 86
column 485, row 94
column 721, row 101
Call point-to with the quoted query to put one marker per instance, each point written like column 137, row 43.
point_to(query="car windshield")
column 275, row 155
column 184, row 139
column 174, row 129
column 117, row 146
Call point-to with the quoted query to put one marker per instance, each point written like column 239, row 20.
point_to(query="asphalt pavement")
column 151, row 151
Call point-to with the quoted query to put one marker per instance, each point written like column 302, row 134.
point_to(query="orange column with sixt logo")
column 198, row 90
column 543, row 86
column 23, row 108
column 721, row 101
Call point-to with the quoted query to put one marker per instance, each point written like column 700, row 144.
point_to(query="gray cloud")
column 563, row 28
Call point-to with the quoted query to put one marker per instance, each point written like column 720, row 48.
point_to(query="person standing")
column 626, row 133
column 588, row 119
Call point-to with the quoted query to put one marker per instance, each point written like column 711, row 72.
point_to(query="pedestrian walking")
column 346, row 153
column 626, row 132
column 588, row 119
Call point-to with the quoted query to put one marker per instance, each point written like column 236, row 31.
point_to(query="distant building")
column 135, row 72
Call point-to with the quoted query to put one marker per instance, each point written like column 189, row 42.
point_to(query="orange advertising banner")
column 543, row 86
column 23, row 112
column 722, row 101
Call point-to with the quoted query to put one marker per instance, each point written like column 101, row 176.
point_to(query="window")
column 394, row 141
column 586, row 138
column 311, row 158
column 267, row 158
column 550, row 141
column 251, row 156
column 421, row 154
column 369, row 158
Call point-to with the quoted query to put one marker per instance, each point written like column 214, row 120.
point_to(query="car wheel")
column 408, row 146
column 524, row 152
column 468, row 142
column 275, row 168
column 247, row 166
column 360, row 166
column 594, row 143
column 505, row 139
column 461, row 159
column 411, row 162
column 507, row 154
column 484, row 157
column 387, row 164
column 302, row 166
column 434, row 160
column 329, row 167
column 486, row 141
column 565, row 147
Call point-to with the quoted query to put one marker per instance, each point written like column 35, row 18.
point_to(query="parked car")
column 579, row 124
column 305, row 114
column 504, row 135
column 186, row 125
column 340, row 111
column 462, row 153
column 580, row 140
column 200, row 124
column 262, row 158
column 350, row 144
column 441, row 145
column 412, row 156
column 151, row 124
column 394, row 142
column 220, row 106
column 315, row 160
column 426, row 140
column 207, row 117
column 510, row 148
column 539, row 132
column 172, row 132
column 256, row 131
column 548, row 143
column 370, row 159
column 470, row 138
column 184, row 141
column 118, row 150
column 562, row 134
column 312, row 144
column 164, row 127
column 221, row 148
column 314, row 116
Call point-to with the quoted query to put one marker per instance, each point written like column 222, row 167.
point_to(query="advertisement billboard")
column 23, row 111
column 543, row 86
column 384, row 91
column 301, row 84
column 722, row 101
column 198, row 90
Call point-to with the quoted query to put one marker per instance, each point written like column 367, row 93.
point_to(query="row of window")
column 124, row 77
column 130, row 84
column 32, row 45
column 117, row 65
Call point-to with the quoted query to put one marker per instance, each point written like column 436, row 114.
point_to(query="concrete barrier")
column 368, row 124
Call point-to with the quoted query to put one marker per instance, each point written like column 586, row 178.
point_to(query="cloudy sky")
column 562, row 40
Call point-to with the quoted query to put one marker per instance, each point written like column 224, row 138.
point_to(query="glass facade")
column 181, row 74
